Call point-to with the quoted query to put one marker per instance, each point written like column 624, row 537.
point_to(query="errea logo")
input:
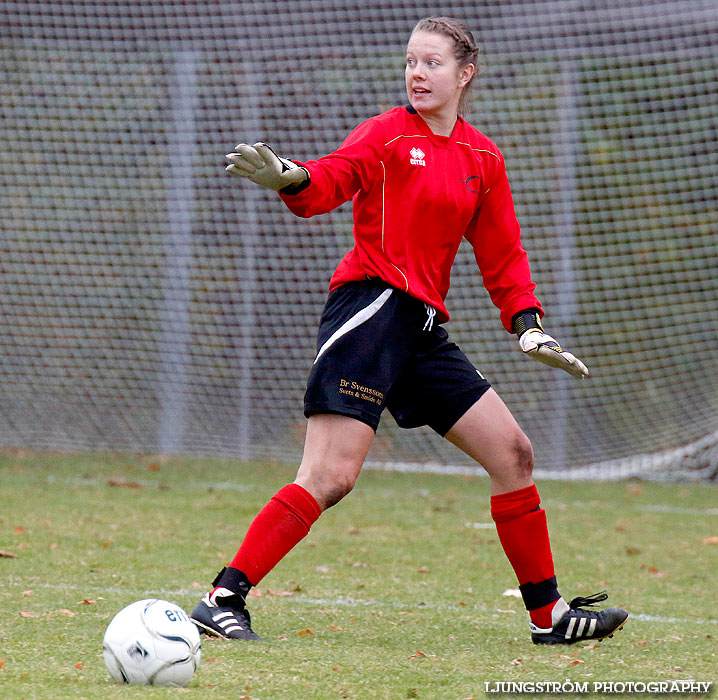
column 417, row 156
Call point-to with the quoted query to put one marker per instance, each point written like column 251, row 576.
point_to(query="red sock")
column 280, row 525
column 523, row 532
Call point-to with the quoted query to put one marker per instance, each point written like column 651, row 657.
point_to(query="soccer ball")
column 152, row 642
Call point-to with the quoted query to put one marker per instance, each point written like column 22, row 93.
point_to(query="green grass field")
column 398, row 592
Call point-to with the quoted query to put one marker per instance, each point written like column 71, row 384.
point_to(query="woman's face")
column 434, row 80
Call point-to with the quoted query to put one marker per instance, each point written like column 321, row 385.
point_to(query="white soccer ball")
column 152, row 642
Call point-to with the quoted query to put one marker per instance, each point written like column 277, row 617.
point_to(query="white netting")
column 161, row 308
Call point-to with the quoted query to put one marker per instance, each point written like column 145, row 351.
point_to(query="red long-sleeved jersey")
column 416, row 195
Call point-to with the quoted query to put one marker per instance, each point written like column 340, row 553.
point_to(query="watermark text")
column 678, row 687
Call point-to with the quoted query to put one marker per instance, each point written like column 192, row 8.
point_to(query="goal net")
column 150, row 302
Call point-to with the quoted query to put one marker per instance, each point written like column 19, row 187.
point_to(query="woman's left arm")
column 495, row 235
column 496, row 238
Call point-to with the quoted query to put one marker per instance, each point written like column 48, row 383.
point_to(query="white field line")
column 338, row 602
column 236, row 486
column 352, row 602
column 200, row 486
column 645, row 507
column 657, row 508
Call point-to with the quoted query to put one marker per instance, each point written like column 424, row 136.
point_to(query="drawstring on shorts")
column 430, row 313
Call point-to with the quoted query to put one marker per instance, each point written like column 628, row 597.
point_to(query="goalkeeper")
column 421, row 179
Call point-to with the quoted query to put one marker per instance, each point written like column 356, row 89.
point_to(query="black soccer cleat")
column 577, row 624
column 223, row 614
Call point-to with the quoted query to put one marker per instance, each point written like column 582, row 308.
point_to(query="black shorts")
column 377, row 348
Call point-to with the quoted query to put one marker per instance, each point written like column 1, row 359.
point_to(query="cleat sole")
column 223, row 622
column 208, row 630
column 586, row 639
column 211, row 632
column 618, row 629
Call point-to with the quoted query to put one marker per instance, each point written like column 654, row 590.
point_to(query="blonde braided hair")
column 466, row 50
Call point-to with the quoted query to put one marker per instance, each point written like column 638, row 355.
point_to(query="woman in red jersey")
column 421, row 179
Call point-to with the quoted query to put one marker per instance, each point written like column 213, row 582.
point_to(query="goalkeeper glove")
column 260, row 164
column 542, row 347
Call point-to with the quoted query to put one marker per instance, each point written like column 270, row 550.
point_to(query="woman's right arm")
column 337, row 177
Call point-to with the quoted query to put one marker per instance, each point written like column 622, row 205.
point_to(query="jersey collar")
column 441, row 141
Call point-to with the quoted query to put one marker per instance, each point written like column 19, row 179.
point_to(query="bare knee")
column 334, row 451
column 333, row 493
column 328, row 485
column 523, row 456
column 513, row 469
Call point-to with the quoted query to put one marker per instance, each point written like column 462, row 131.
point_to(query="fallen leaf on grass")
column 255, row 593
column 19, row 530
column 7, row 555
column 26, row 613
column 79, row 664
column 713, row 539
column 66, row 612
column 642, row 643
column 417, row 655
column 279, row 594
column 28, row 592
column 422, row 570
column 119, row 482
column 576, row 661
column 653, row 571
column 2, row 663
column 334, row 628
column 634, row 489
column 85, row 601
column 210, row 660
column 516, row 662
column 304, row 633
